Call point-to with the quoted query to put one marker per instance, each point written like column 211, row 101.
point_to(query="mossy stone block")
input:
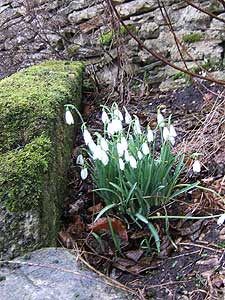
column 35, row 149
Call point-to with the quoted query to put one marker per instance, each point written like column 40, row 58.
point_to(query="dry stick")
column 205, row 11
column 157, row 55
column 200, row 246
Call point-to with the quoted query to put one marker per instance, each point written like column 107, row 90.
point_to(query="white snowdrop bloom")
column 105, row 118
column 104, row 144
column 150, row 136
column 120, row 149
column 80, row 160
column 126, row 156
column 145, row 148
column 117, row 113
column 124, row 143
column 104, row 158
column 166, row 134
column 87, row 137
column 140, row 155
column 114, row 127
column 133, row 162
column 221, row 220
column 69, row 117
column 172, row 131
column 172, row 140
column 160, row 120
column 122, row 164
column 137, row 127
column 97, row 154
column 128, row 118
column 92, row 146
column 84, row 173
column 196, row 166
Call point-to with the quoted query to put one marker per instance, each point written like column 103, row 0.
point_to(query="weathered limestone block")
column 54, row 274
column 149, row 30
column 35, row 148
column 85, row 14
column 136, row 7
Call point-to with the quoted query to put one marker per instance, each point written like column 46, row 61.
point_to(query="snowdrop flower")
column 133, row 162
column 126, row 156
column 104, row 158
column 160, row 119
column 80, row 160
column 124, row 143
column 137, row 127
column 87, row 137
column 221, row 220
column 196, row 166
column 97, row 154
column 128, row 118
column 69, row 117
column 105, row 118
column 92, row 146
column 145, row 148
column 167, row 135
column 117, row 113
column 121, row 163
column 114, row 127
column 140, row 155
column 120, row 149
column 104, row 144
column 84, row 173
column 150, row 136
column 172, row 131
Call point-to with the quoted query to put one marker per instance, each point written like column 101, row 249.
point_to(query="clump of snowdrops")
column 130, row 176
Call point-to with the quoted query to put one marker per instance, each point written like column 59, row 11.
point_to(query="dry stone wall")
column 32, row 31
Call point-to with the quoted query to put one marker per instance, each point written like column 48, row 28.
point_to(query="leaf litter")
column 191, row 262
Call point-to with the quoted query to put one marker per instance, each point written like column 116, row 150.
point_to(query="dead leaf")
column 102, row 224
column 95, row 209
column 134, row 254
column 77, row 227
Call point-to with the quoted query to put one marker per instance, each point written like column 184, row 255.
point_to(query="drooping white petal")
column 92, row 146
column 87, row 137
column 140, row 155
column 104, row 158
column 172, row 140
column 137, row 126
column 117, row 114
column 120, row 149
column 145, row 148
column 84, row 173
column 104, row 144
column 105, row 118
column 114, row 127
column 128, row 118
column 121, row 164
column 80, row 160
column 196, row 166
column 126, row 156
column 150, row 136
column 221, row 220
column 172, row 131
column 69, row 117
column 97, row 154
column 166, row 134
column 124, row 143
column 160, row 120
column 133, row 162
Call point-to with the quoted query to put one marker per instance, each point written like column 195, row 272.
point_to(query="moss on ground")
column 192, row 37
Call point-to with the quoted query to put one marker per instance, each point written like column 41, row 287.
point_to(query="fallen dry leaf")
column 95, row 209
column 134, row 254
column 102, row 224
column 66, row 239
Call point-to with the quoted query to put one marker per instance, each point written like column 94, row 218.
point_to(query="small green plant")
column 192, row 37
column 106, row 38
column 129, row 174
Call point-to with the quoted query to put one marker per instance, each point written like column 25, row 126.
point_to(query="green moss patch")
column 192, row 37
column 34, row 139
